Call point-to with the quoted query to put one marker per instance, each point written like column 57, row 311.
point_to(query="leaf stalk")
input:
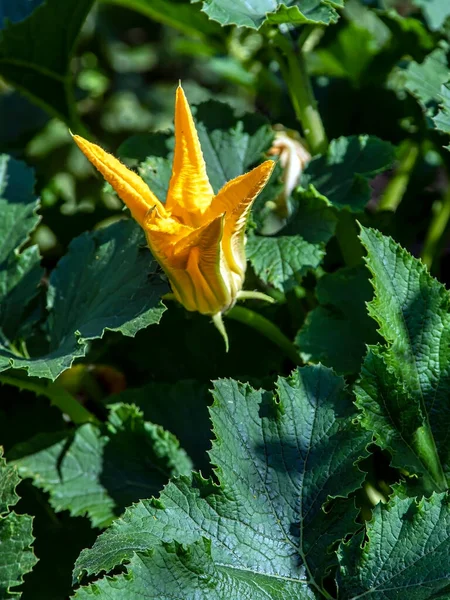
column 267, row 329
column 57, row 395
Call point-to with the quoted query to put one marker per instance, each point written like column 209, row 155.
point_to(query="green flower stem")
column 267, row 329
column 395, row 189
column 438, row 225
column 57, row 395
column 300, row 90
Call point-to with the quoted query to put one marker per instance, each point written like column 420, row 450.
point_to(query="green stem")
column 266, row 328
column 57, row 395
column 347, row 238
column 300, row 90
column 438, row 225
column 395, row 189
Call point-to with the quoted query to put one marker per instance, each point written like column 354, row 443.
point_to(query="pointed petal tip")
column 268, row 166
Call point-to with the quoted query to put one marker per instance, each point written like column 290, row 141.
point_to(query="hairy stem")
column 57, row 395
column 295, row 74
column 267, row 329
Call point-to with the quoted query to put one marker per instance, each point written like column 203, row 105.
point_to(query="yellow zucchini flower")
column 197, row 237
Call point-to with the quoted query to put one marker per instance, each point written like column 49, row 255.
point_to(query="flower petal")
column 198, row 279
column 130, row 188
column 235, row 200
column 190, row 192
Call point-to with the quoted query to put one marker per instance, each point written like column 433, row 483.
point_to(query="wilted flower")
column 293, row 157
column 197, row 237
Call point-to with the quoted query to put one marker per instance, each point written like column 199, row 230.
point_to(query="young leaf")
column 16, row 555
column 104, row 282
column 278, row 461
column 35, row 51
column 343, row 174
column 404, row 388
column 100, row 471
column 255, row 14
column 405, row 554
column 298, row 247
column 337, row 331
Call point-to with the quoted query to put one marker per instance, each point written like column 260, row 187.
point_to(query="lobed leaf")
column 262, row 532
column 424, row 81
column 104, row 282
column 342, row 175
column 16, row 556
column 300, row 246
column 98, row 471
column 405, row 553
column 404, row 388
column 337, row 331
column 255, row 14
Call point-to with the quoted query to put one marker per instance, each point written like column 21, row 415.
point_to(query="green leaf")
column 404, row 388
column 278, row 459
column 20, row 272
column 337, row 331
column 424, row 81
column 405, row 553
column 442, row 119
column 105, row 282
column 16, row 556
column 436, row 12
column 97, row 472
column 35, row 51
column 59, row 540
column 179, row 407
column 255, row 14
column 343, row 174
column 185, row 17
column 300, row 246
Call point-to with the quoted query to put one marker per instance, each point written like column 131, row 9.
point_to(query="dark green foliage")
column 141, row 459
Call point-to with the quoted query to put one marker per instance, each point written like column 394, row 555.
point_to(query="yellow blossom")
column 197, row 237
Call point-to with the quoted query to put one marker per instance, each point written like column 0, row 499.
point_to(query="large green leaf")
column 36, row 48
column 279, row 260
column 16, row 555
column 262, row 531
column 404, row 554
column 254, row 14
column 405, row 385
column 105, row 282
column 99, row 471
column 20, row 272
column 337, row 331
column 343, row 174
